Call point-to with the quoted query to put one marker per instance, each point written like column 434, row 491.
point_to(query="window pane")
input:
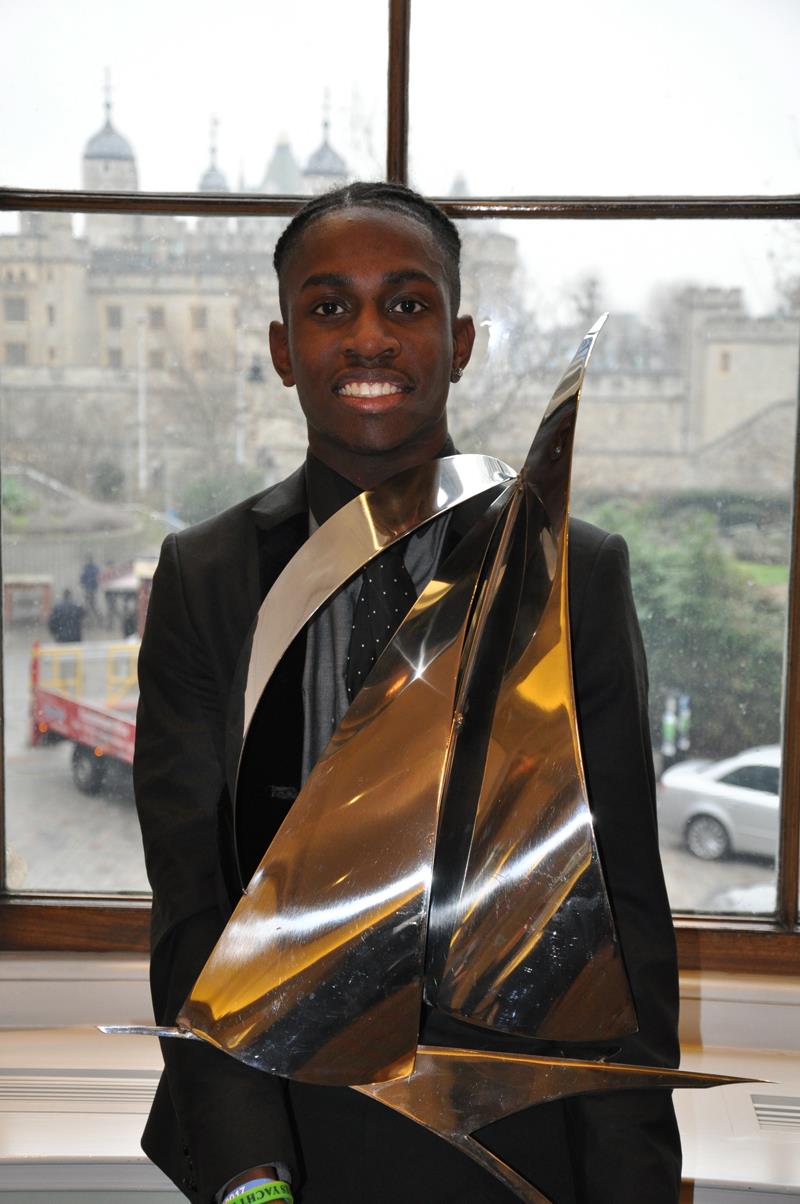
column 140, row 407
column 685, row 444
column 286, row 118
column 577, row 98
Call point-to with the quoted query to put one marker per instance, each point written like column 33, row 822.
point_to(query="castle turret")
column 213, row 229
column 326, row 169
column 212, row 179
column 108, row 160
column 109, row 165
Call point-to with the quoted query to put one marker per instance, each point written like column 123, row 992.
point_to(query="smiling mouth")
column 371, row 388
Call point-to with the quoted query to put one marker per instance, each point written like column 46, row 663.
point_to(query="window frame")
column 116, row 924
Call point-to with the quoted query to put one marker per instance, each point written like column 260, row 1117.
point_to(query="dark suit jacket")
column 213, row 1116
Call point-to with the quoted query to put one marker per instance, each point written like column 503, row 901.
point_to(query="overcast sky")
column 515, row 95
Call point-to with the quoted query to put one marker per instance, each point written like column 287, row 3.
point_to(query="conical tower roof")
column 212, row 179
column 108, row 143
column 326, row 165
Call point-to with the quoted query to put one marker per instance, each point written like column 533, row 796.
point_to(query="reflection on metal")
column 443, row 842
column 455, row 1092
column 524, row 901
column 349, row 540
column 319, row 972
column 148, row 1030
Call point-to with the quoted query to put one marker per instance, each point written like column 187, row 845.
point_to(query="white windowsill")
column 42, row 990
column 73, row 1102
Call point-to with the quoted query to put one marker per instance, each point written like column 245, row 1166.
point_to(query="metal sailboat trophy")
column 442, row 848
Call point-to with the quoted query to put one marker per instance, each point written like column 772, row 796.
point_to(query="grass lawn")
column 765, row 574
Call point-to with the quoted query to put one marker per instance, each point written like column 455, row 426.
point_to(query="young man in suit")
column 371, row 337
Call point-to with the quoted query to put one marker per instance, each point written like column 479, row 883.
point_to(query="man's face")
column 369, row 339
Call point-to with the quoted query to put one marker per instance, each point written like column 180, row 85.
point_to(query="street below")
column 59, row 839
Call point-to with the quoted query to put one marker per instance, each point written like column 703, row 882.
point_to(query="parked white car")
column 721, row 807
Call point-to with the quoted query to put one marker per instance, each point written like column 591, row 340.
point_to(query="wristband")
column 260, row 1191
column 236, row 1193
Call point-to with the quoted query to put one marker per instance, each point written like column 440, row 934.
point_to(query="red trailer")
column 86, row 693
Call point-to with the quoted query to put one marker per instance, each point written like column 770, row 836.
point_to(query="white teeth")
column 369, row 388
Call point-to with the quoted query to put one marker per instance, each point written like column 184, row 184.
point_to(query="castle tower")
column 108, row 166
column 212, row 179
column 326, row 169
column 212, row 229
column 108, row 161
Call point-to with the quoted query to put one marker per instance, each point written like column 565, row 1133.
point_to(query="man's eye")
column 329, row 309
column 407, row 305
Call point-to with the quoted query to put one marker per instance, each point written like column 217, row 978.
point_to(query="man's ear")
column 463, row 339
column 279, row 350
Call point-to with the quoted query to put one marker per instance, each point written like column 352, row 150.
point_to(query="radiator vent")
column 777, row 1111
column 32, row 1092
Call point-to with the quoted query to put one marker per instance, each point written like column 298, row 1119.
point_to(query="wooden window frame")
column 740, row 945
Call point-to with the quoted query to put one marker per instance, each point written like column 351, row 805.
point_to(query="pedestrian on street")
column 66, row 620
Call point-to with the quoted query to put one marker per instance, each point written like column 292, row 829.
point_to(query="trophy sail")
column 527, row 942
column 319, row 973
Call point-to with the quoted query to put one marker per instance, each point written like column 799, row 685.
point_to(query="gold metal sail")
column 526, row 941
column 319, row 972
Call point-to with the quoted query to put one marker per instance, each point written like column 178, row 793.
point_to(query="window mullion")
column 173, row 204
column 397, row 105
column 606, row 208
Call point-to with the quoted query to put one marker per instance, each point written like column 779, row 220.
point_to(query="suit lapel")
column 279, row 518
column 281, row 501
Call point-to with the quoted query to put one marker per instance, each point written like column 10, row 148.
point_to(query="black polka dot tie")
column 387, row 594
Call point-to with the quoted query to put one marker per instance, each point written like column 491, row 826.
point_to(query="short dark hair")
column 394, row 198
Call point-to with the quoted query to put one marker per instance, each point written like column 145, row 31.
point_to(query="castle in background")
column 140, row 343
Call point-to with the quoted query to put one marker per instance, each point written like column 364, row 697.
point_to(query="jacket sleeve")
column 229, row 1115
column 626, row 1144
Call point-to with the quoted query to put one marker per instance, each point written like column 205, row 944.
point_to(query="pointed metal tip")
column 146, row 1030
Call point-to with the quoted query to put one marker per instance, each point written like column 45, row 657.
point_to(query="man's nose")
column 370, row 335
